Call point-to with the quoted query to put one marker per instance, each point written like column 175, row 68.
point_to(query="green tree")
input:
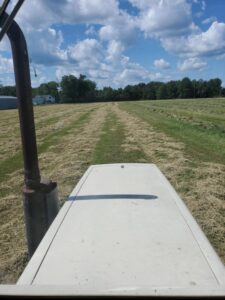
column 75, row 89
column 69, row 89
column 215, row 87
column 49, row 88
column 8, row 90
column 86, row 89
column 43, row 89
column 186, row 89
column 149, row 91
column 223, row 92
column 53, row 88
column 134, row 92
column 118, row 94
column 201, row 89
column 106, row 94
column 128, row 92
column 162, row 92
column 172, row 89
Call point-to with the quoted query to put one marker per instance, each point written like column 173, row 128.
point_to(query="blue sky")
column 116, row 43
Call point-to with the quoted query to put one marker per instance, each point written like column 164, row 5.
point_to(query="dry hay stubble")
column 64, row 163
column 67, row 161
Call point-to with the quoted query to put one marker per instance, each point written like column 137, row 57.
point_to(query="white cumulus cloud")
column 164, row 17
column 43, row 13
column 6, row 65
column 161, row 64
column 115, row 50
column 192, row 63
column 87, row 52
column 45, row 46
column 208, row 43
column 120, row 28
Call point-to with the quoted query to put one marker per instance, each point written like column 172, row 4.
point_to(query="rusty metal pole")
column 40, row 198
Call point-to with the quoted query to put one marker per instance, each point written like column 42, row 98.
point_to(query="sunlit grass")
column 202, row 132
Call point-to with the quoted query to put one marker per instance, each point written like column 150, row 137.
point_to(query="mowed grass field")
column 185, row 138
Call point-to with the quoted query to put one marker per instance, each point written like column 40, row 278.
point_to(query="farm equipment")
column 123, row 231
column 40, row 195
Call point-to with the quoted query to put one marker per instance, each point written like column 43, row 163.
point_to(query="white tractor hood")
column 124, row 231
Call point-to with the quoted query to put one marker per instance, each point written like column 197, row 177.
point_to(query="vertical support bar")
column 40, row 198
column 24, row 96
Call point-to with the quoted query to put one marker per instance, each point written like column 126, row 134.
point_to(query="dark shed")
column 8, row 102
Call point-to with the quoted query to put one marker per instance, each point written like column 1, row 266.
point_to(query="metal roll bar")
column 40, row 197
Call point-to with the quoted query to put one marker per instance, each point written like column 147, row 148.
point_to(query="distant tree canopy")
column 186, row 88
column 49, row 88
column 7, row 90
column 72, row 89
column 75, row 89
column 81, row 90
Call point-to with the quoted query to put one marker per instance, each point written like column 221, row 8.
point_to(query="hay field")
column 185, row 139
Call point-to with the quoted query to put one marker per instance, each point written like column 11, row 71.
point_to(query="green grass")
column 15, row 162
column 109, row 147
column 47, row 122
column 55, row 137
column 199, row 124
column 68, row 152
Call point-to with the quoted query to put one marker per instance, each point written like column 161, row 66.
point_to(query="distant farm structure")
column 43, row 99
column 8, row 102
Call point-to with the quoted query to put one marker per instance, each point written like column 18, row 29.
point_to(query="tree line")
column 73, row 89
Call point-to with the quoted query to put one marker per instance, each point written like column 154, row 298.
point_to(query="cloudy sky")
column 120, row 42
